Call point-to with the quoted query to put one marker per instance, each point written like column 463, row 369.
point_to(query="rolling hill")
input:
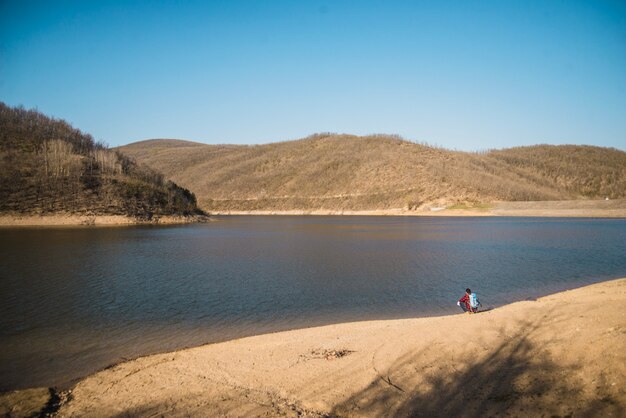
column 379, row 172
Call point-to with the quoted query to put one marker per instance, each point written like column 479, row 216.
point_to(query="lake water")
column 74, row 300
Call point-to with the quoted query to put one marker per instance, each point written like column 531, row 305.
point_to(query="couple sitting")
column 469, row 302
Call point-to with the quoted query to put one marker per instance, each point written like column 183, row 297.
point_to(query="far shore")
column 541, row 213
column 92, row 220
column 559, row 209
column 381, row 212
column 560, row 355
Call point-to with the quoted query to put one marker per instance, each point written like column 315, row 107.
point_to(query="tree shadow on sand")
column 517, row 378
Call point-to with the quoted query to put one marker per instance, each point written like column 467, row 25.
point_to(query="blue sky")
column 469, row 75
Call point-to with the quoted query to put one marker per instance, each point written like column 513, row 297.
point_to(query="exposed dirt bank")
column 561, row 208
column 388, row 212
column 95, row 220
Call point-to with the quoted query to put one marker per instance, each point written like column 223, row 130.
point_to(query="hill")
column 47, row 167
column 380, row 172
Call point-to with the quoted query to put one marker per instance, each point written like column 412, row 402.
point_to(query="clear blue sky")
column 460, row 74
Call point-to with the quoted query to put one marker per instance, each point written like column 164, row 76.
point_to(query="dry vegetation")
column 49, row 167
column 345, row 172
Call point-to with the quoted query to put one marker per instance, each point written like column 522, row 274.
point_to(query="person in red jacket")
column 464, row 302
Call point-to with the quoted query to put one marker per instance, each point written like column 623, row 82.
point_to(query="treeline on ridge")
column 47, row 166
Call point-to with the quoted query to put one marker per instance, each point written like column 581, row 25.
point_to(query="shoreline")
column 558, row 209
column 610, row 209
column 523, row 357
column 69, row 383
column 388, row 212
column 452, row 213
column 9, row 221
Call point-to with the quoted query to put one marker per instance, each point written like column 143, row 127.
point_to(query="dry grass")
column 345, row 172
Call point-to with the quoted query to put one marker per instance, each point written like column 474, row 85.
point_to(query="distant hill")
column 49, row 167
column 345, row 172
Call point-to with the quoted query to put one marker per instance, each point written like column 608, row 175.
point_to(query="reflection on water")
column 74, row 300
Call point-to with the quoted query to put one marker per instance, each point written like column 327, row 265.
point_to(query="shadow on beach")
column 517, row 378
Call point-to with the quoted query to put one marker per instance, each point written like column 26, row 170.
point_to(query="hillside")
column 344, row 172
column 47, row 167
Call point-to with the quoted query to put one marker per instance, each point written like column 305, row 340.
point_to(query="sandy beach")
column 560, row 355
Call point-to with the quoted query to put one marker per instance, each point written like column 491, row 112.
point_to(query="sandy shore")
column 560, row 355
column 386, row 212
column 565, row 208
column 87, row 220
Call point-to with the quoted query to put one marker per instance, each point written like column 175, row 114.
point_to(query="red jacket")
column 465, row 299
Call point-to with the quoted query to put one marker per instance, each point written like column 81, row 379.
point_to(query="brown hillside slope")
column 344, row 172
column 50, row 169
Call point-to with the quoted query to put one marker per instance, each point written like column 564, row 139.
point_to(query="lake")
column 75, row 300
